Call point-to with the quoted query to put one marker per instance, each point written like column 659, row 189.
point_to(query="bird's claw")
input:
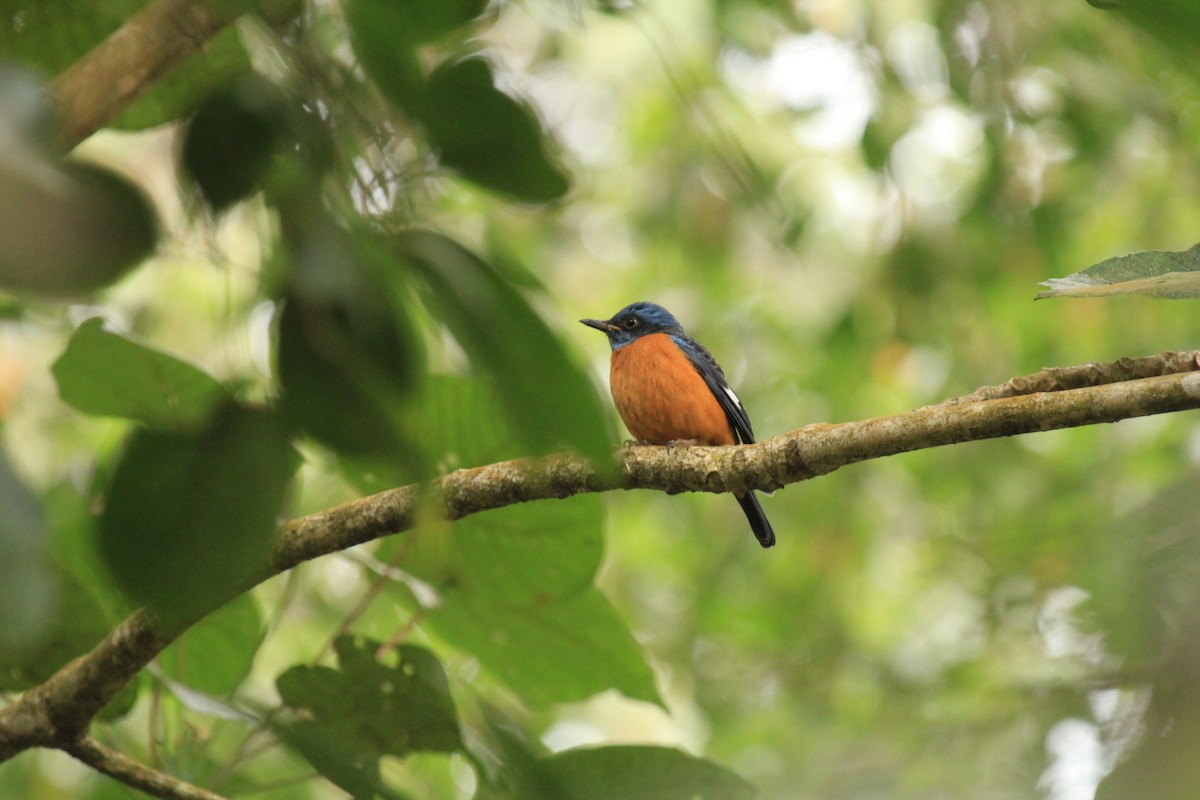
column 671, row 445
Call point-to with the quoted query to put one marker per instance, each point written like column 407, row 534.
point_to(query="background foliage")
column 373, row 227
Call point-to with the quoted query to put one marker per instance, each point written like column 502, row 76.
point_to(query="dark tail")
column 758, row 520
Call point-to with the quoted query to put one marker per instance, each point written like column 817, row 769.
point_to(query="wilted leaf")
column 188, row 517
column 1156, row 273
column 105, row 374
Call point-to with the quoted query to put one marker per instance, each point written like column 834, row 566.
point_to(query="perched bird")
column 668, row 388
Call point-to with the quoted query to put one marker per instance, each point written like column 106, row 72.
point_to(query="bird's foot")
column 671, row 445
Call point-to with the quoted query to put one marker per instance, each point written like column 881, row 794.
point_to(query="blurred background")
column 851, row 203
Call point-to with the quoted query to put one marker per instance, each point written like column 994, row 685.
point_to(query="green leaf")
column 230, row 141
column 634, row 772
column 557, row 652
column 368, row 708
column 414, row 21
column 1173, row 21
column 377, row 30
column 105, row 374
column 188, row 519
column 215, row 655
column 53, row 34
column 487, row 136
column 1156, row 273
column 347, row 354
column 549, row 400
column 458, row 425
column 528, row 555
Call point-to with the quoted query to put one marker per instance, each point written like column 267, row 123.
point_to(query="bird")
column 669, row 389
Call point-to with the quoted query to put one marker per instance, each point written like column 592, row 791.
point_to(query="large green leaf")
column 52, row 34
column 1174, row 21
column 487, row 136
column 347, row 355
column 368, row 708
column 527, row 555
column 216, row 654
column 378, row 31
column 547, row 398
column 554, row 652
column 1157, row 273
column 105, row 374
column 188, row 517
column 634, row 772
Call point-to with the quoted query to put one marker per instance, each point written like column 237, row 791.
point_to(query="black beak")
column 600, row 325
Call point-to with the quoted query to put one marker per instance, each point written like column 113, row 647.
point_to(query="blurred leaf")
column 549, row 400
column 634, row 772
column 50, row 35
column 415, row 21
column 487, row 136
column 27, row 589
column 72, row 544
column 630, row 772
column 531, row 555
column 188, row 517
column 386, row 54
column 215, row 654
column 348, row 357
column 553, row 652
column 123, row 701
column 230, row 140
column 105, row 374
column 1173, row 21
column 366, row 709
column 68, row 230
column 1156, row 273
column 458, row 425
column 69, row 623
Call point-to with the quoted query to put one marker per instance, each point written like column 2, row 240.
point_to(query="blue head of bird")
column 634, row 320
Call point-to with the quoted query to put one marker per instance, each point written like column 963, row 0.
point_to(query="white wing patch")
column 732, row 396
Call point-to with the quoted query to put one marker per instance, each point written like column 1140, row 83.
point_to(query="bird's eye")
column 631, row 323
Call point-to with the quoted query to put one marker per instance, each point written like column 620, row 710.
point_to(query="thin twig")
column 121, row 767
column 1057, row 379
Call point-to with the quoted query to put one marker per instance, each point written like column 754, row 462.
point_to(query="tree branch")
column 57, row 712
column 121, row 767
column 94, row 90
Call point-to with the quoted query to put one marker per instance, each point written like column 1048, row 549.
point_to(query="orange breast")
column 662, row 398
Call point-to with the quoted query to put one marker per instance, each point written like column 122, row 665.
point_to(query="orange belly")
column 662, row 398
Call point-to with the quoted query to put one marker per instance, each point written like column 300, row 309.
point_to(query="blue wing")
column 714, row 376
